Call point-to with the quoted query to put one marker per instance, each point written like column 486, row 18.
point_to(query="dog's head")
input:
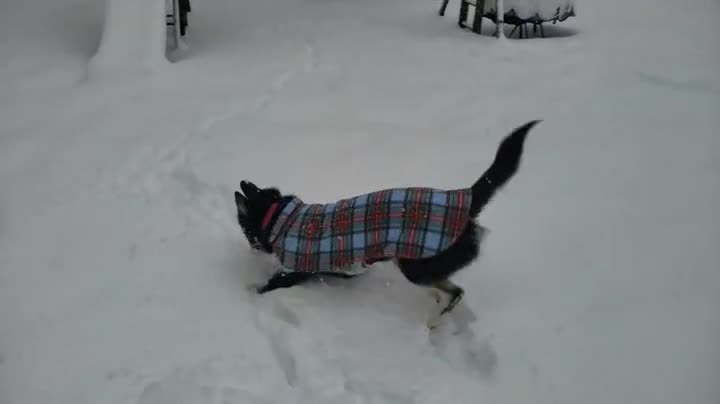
column 255, row 208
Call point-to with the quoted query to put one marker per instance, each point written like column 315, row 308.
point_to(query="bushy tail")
column 507, row 161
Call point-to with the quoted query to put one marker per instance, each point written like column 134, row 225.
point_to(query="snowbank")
column 123, row 274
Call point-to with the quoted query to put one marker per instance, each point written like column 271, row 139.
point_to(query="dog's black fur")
column 434, row 271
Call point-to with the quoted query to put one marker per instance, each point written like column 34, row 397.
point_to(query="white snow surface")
column 123, row 273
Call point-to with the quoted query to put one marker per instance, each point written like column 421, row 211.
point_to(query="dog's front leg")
column 283, row 279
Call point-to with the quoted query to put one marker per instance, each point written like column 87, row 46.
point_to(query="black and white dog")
column 429, row 234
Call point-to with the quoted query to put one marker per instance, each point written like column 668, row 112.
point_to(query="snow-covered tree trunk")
column 133, row 38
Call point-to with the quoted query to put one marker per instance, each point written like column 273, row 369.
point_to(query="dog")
column 429, row 234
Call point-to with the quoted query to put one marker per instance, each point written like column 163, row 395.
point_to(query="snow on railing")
column 514, row 12
column 527, row 9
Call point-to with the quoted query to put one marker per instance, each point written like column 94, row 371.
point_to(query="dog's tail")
column 506, row 163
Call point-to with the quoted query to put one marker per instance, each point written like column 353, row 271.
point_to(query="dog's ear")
column 249, row 189
column 241, row 203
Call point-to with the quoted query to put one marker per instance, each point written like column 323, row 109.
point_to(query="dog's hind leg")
column 285, row 280
column 454, row 292
column 434, row 272
column 447, row 295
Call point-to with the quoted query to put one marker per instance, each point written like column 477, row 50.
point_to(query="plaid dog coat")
column 393, row 223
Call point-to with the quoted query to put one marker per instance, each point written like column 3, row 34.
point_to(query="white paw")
column 436, row 295
column 253, row 288
column 436, row 313
column 433, row 321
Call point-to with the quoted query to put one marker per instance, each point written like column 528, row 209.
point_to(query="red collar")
column 269, row 215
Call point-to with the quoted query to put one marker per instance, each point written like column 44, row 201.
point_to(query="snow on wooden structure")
column 134, row 37
column 177, row 18
column 518, row 13
column 132, row 40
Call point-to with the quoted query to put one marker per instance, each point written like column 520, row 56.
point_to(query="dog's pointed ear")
column 241, row 203
column 249, row 189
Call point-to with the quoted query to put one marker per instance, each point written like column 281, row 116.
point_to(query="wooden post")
column 176, row 23
column 443, row 6
column 462, row 17
column 500, row 18
column 477, row 21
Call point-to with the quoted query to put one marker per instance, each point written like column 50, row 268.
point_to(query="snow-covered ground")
column 123, row 273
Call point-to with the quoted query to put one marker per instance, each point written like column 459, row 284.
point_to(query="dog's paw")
column 444, row 307
column 436, row 317
column 434, row 321
column 435, row 295
column 453, row 302
column 255, row 288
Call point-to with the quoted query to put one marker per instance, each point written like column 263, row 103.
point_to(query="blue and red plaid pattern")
column 392, row 223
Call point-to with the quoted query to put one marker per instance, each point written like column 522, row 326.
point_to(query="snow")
column 139, row 49
column 123, row 274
